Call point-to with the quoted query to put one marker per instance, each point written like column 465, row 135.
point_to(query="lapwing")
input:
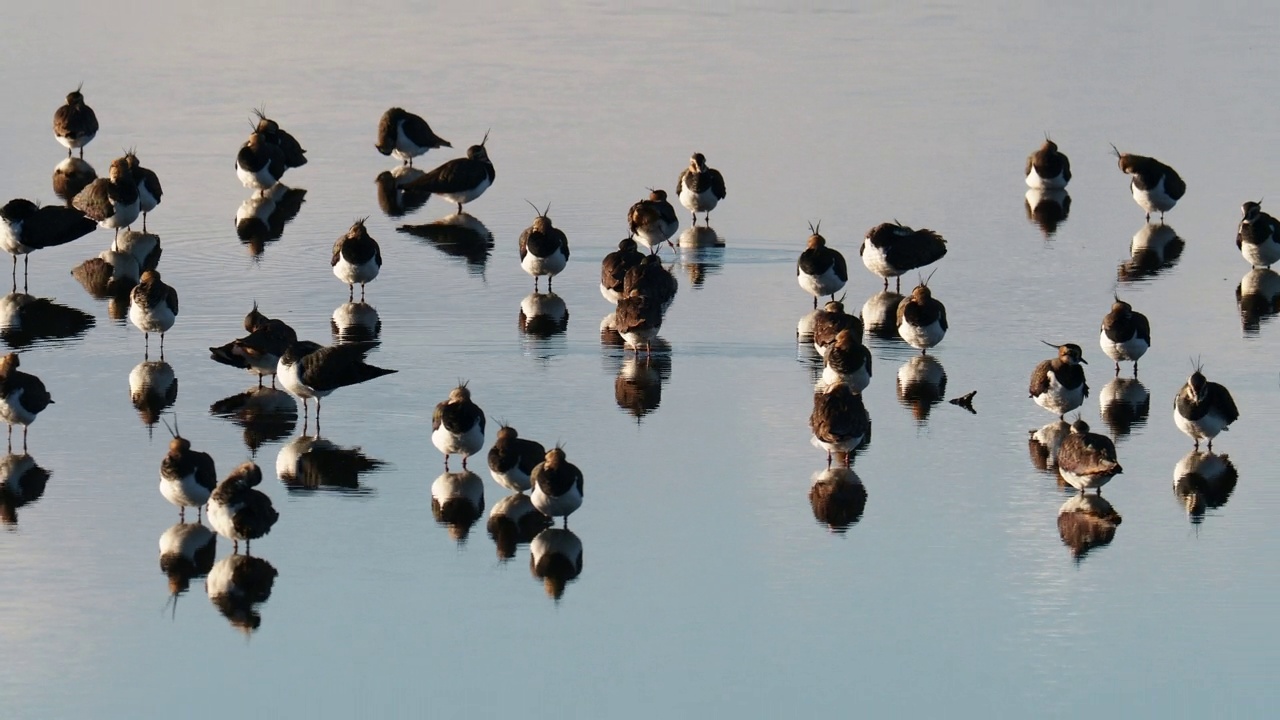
column 652, row 280
column 1156, row 187
column 187, row 477
column 891, row 249
column 258, row 352
column 557, row 486
column 291, row 150
column 153, row 308
column 460, row 180
column 513, row 521
column 638, row 318
column 544, row 249
column 149, row 190
column 1204, row 481
column 1125, row 335
column 308, row 370
column 839, row 421
column 239, row 512
column 1202, row 409
column 356, row 259
column 513, row 458
column 1048, row 169
column 405, row 136
column 1086, row 459
column 1258, row 237
column 848, row 361
column 1058, row 385
column 821, row 270
column 112, row 202
column 829, row 321
column 22, row 397
column 653, row 221
column 26, row 227
column 614, row 267
column 75, row 124
column 260, row 164
column 457, row 426
column 700, row 188
column 236, row 585
column 922, row 319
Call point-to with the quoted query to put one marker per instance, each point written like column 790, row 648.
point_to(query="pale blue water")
column 707, row 586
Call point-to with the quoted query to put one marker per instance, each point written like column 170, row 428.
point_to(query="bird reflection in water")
column 1154, row 249
column 1044, row 444
column 638, row 386
column 394, row 200
column 237, row 585
column 555, row 558
column 265, row 413
column 355, row 322
column 262, row 217
column 1204, row 481
column 1258, row 298
column 1086, row 521
column 153, row 388
column 70, row 177
column 609, row 335
column 701, row 254
column 308, row 464
column 514, row 521
column 880, row 315
column 457, row 235
column 1048, row 209
column 838, row 498
column 457, row 501
column 26, row 319
column 543, row 315
column 1125, row 404
column 187, row 551
column 922, row 383
column 22, row 481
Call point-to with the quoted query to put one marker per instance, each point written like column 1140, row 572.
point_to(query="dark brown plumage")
column 614, row 267
column 829, row 321
column 328, row 368
column 700, row 188
column 1052, row 167
column 839, row 420
column 461, row 180
column 237, row 510
column 261, row 349
column 821, row 270
column 1069, row 376
column 22, row 397
column 922, row 319
column 891, row 249
column 290, row 149
column 637, row 319
column 653, row 219
column 1087, row 459
column 1156, row 187
column 398, row 121
column 652, row 280
column 75, row 124
column 510, row 451
column 112, row 201
column 149, row 190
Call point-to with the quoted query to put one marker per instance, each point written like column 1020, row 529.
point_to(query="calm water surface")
column 707, row 585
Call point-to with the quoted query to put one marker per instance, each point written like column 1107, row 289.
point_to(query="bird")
column 821, row 270
column 260, row 163
column 1125, row 335
column 1087, row 460
column 22, row 397
column 1048, row 169
column 153, row 308
column 848, row 361
column 28, row 227
column 700, row 188
column 258, row 352
column 356, row 258
column 113, row 201
column 187, row 477
column 1156, row 187
column 829, row 321
column 236, row 585
column 405, row 136
column 290, row 149
column 239, row 512
column 891, row 249
column 1258, row 238
column 557, row 486
column 638, row 319
column 514, row 520
column 544, row 249
column 922, row 319
column 75, row 124
column 309, row 370
column 1202, row 409
column 652, row 280
column 460, row 180
column 1058, row 385
column 513, row 458
column 653, row 220
column 457, row 426
column 149, row 190
column 614, row 267
column 839, row 421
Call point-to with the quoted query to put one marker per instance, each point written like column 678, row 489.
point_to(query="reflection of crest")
column 186, row 552
column 1204, row 481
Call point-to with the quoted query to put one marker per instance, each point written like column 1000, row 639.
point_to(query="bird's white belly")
column 828, row 283
column 1154, row 199
column 157, row 319
column 1206, row 427
column 465, row 196
column 12, row 411
column 550, row 265
column 288, row 378
column 9, row 234
column 921, row 337
column 704, row 201
column 561, row 506
column 184, row 492
column 467, row 443
column 1128, row 350
column 351, row 273
column 122, row 215
column 514, row 479
column 875, row 261
column 1263, row 254
column 858, row 380
column 1035, row 180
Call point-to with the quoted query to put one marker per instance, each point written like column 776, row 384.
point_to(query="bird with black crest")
column 113, row 201
column 544, row 248
column 404, row 135
column 260, row 164
column 700, row 188
column 1156, row 187
column 258, row 352
column 149, row 190
column 513, row 458
column 291, row 150
column 1048, row 168
column 26, row 227
column 821, row 270
column 457, row 425
column 356, row 258
column 653, row 221
column 1058, row 384
column 829, row 321
column 1087, row 460
column 614, row 267
column 461, row 180
column 22, row 397
column 638, row 318
column 1202, row 409
column 839, row 421
column 922, row 318
column 1258, row 236
column 1126, row 334
column 652, row 280
column 557, row 486
column 187, row 477
column 153, row 308
column 74, row 123
column 238, row 511
column 893, row 249
column 309, row 370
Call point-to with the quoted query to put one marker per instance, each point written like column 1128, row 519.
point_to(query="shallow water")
column 706, row 583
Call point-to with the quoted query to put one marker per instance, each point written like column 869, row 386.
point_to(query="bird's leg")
column 535, row 284
column 235, row 546
column 1117, row 368
column 549, row 279
column 695, row 219
column 815, row 302
column 464, row 461
column 564, row 522
column 886, row 284
column 146, row 345
column 361, row 292
column 459, row 208
column 446, row 462
column 24, row 440
column 81, row 152
column 26, row 264
column 260, row 382
column 182, row 513
column 828, row 458
column 199, row 513
column 161, row 347
column 898, row 288
column 1135, row 369
column 351, row 292
column 11, row 438
column 247, row 551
